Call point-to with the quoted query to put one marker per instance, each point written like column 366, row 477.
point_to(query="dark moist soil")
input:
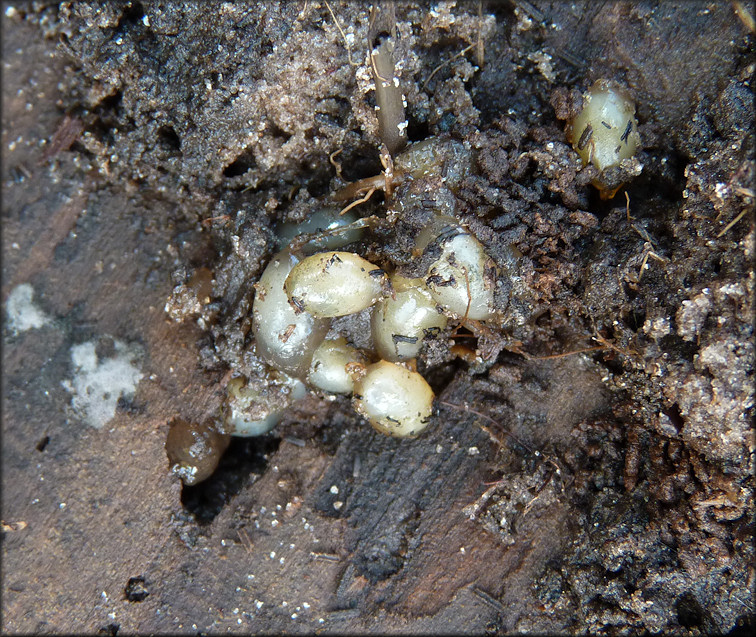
column 594, row 474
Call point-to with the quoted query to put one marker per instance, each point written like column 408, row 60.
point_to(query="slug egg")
column 463, row 278
column 331, row 284
column 253, row 411
column 328, row 221
column 284, row 338
column 329, row 368
column 396, row 401
column 401, row 323
column 434, row 157
column 194, row 450
column 605, row 131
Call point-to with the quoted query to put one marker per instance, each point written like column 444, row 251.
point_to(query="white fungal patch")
column 331, row 284
column 98, row 383
column 329, row 368
column 396, row 401
column 284, row 337
column 605, row 131
column 21, row 312
column 401, row 323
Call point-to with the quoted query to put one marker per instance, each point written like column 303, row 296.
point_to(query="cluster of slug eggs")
column 296, row 298
column 298, row 295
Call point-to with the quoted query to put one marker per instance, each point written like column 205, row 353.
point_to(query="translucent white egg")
column 329, row 368
column 326, row 220
column 396, row 401
column 462, row 280
column 331, row 284
column 254, row 409
column 401, row 323
column 284, row 338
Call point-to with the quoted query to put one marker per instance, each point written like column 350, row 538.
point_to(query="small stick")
column 744, row 15
column 653, row 255
column 530, row 10
column 480, row 50
column 358, row 187
column 376, row 74
column 207, row 222
column 390, row 102
column 550, row 356
column 388, row 171
column 485, row 597
column 358, row 201
column 733, row 222
column 334, row 163
column 443, row 64
column 466, row 408
column 244, row 539
column 343, row 35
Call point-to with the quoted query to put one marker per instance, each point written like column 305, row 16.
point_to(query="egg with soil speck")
column 396, row 401
column 254, row 409
column 284, row 337
column 331, row 284
column 401, row 323
column 330, row 365
column 605, row 131
column 462, row 280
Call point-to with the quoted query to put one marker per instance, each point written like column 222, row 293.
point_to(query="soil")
column 591, row 471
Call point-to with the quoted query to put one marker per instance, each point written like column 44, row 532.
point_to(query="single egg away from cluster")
column 194, row 450
column 605, row 131
column 396, row 401
column 331, row 284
